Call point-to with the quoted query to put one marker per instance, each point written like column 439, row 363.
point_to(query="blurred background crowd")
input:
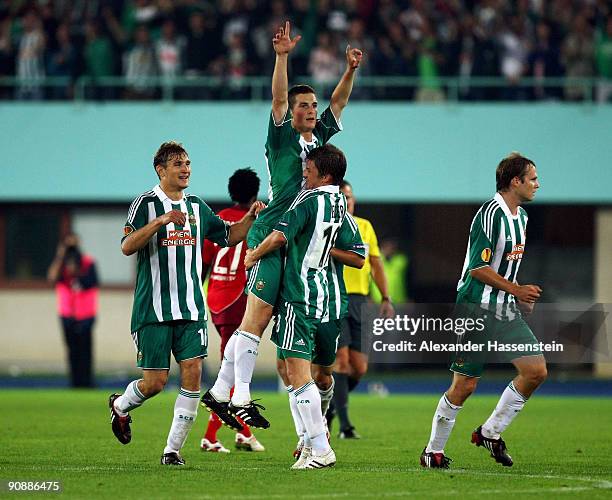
column 430, row 40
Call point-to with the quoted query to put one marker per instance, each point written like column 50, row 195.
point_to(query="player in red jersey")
column 226, row 298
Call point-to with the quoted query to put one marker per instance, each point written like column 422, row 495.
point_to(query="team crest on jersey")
column 486, row 255
column 260, row 285
column 459, row 362
column 139, row 356
column 127, row 230
column 192, row 219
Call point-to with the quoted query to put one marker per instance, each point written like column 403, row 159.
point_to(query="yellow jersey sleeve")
column 357, row 281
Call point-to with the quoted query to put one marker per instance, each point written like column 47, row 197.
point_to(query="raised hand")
column 353, row 57
column 282, row 42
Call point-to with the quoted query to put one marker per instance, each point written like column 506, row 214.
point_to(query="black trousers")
column 78, row 338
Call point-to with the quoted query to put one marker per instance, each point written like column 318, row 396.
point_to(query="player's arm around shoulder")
column 348, row 258
column 349, row 248
column 138, row 239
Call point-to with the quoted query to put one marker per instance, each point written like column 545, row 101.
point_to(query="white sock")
column 185, row 412
column 326, row 397
column 508, row 407
column 442, row 425
column 225, row 378
column 130, row 399
column 309, row 405
column 246, row 355
column 300, row 429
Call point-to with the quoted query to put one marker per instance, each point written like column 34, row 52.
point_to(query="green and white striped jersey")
column 349, row 238
column 169, row 268
column 311, row 226
column 286, row 152
column 497, row 239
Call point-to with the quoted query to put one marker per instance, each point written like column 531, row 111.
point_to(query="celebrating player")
column 488, row 291
column 226, row 298
column 308, row 230
column 352, row 362
column 290, row 137
column 348, row 250
column 166, row 227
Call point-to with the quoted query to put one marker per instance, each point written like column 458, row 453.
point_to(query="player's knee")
column 153, row 387
column 322, row 380
column 461, row 389
column 537, row 374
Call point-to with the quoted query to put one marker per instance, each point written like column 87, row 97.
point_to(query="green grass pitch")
column 561, row 448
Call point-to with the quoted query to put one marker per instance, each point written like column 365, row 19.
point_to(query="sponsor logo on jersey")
column 139, row 356
column 192, row 219
column 300, row 342
column 260, row 285
column 486, row 254
column 127, row 230
column 517, row 253
column 180, row 238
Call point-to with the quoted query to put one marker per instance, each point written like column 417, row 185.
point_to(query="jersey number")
column 330, row 238
column 203, row 337
column 218, row 269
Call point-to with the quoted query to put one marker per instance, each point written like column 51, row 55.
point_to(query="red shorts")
column 227, row 321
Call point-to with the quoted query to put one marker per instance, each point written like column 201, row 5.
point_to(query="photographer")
column 76, row 285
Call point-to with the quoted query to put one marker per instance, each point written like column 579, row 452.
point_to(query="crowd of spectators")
column 518, row 41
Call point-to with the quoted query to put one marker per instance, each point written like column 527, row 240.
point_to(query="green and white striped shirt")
column 311, row 226
column 349, row 238
column 169, row 267
column 497, row 239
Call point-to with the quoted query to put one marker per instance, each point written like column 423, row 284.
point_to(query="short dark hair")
column 329, row 160
column 297, row 90
column 514, row 165
column 166, row 152
column 243, row 185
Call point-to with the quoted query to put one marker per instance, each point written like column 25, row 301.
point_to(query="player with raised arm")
column 489, row 292
column 293, row 130
column 166, row 228
column 308, row 230
column 352, row 360
column 349, row 250
column 225, row 295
